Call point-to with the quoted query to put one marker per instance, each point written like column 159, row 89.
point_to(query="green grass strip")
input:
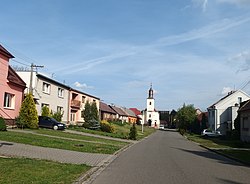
column 38, row 140
column 22, row 170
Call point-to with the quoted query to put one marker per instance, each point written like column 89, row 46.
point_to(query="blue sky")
column 192, row 51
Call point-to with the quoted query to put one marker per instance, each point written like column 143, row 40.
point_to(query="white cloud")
column 201, row 3
column 82, row 86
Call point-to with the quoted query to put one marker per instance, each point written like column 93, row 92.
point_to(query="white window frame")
column 9, row 101
column 60, row 92
column 46, row 88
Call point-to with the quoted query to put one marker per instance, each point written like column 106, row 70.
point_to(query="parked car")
column 161, row 127
column 48, row 122
column 210, row 133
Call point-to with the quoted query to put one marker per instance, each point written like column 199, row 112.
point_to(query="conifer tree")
column 28, row 113
column 133, row 132
column 45, row 111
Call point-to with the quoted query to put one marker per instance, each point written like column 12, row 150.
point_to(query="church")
column 150, row 116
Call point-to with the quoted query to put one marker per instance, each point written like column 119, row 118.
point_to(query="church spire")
column 151, row 92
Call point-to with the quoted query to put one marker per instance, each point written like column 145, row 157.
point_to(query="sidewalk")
column 59, row 155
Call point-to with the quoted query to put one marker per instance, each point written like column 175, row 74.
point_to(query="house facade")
column 244, row 113
column 106, row 112
column 120, row 114
column 12, row 89
column 47, row 92
column 131, row 115
column 77, row 101
column 57, row 96
column 221, row 115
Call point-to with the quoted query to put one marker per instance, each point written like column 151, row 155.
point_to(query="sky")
column 191, row 51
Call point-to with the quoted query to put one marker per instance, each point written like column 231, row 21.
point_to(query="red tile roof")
column 4, row 52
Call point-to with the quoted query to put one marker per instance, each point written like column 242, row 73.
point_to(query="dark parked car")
column 48, row 122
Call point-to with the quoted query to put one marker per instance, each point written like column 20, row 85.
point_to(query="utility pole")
column 31, row 76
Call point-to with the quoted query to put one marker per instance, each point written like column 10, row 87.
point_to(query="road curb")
column 91, row 175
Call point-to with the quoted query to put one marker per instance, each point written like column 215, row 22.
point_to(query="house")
column 57, row 96
column 138, row 115
column 244, row 113
column 77, row 101
column 12, row 89
column 120, row 114
column 131, row 115
column 222, row 114
column 106, row 112
column 47, row 92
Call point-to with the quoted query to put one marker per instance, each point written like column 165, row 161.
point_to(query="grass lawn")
column 217, row 142
column 22, row 170
column 39, row 140
column 243, row 155
column 76, row 136
column 121, row 131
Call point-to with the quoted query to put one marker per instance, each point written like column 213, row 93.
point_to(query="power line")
column 19, row 62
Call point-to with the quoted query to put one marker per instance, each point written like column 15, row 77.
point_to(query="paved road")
column 166, row 157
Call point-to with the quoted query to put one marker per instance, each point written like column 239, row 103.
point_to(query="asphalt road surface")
column 166, row 157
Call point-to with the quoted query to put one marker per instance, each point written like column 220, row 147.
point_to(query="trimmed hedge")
column 2, row 124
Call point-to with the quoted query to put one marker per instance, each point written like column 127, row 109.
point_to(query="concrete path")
column 64, row 156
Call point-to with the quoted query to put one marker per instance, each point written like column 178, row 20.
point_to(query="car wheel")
column 55, row 127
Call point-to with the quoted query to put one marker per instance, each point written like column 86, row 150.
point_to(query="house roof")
column 105, row 108
column 118, row 111
column 4, row 52
column 129, row 112
column 245, row 106
column 39, row 75
column 228, row 95
column 14, row 78
column 136, row 111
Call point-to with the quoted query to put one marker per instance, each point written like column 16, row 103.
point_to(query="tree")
column 133, row 132
column 28, row 113
column 186, row 116
column 90, row 115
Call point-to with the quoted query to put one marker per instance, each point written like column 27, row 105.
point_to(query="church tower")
column 152, row 117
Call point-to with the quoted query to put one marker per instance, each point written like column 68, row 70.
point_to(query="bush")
column 57, row 116
column 182, row 131
column 133, row 132
column 2, row 124
column 45, row 111
column 28, row 113
column 107, row 127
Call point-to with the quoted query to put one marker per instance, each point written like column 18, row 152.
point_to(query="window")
column 150, row 115
column 43, row 104
column 60, row 92
column 72, row 116
column 59, row 109
column 8, row 100
column 149, row 103
column 239, row 100
column 83, row 99
column 94, row 100
column 46, row 88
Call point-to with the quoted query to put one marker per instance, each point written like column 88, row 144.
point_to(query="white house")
column 47, row 92
column 150, row 115
column 221, row 115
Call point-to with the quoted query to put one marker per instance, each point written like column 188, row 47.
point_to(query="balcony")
column 75, row 104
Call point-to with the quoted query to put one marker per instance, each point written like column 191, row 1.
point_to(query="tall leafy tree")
column 28, row 113
column 45, row 111
column 186, row 115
